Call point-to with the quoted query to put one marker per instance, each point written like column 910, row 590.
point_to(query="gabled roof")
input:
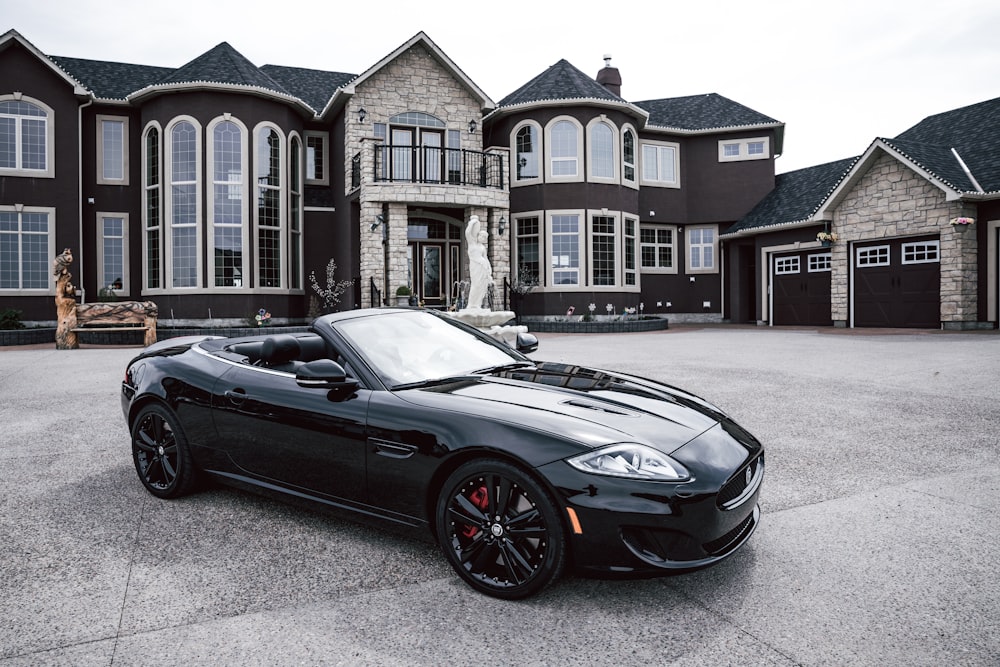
column 699, row 113
column 13, row 36
column 796, row 196
column 340, row 96
column 561, row 81
column 312, row 85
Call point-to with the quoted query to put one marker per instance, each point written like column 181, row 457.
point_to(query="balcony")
column 432, row 164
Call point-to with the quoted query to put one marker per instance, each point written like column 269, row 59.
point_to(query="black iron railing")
column 356, row 171
column 430, row 164
column 374, row 295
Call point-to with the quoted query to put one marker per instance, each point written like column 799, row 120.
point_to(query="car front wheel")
column 500, row 530
column 160, row 452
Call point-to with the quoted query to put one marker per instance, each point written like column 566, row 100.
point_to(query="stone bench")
column 117, row 316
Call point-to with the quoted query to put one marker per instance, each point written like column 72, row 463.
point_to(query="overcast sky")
column 838, row 74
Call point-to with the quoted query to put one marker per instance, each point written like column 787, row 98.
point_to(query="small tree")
column 334, row 288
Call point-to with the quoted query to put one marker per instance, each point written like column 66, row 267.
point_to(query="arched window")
column 152, row 197
column 227, row 157
column 602, row 164
column 270, row 211
column 527, row 152
column 564, row 149
column 183, row 205
column 26, row 137
column 628, row 155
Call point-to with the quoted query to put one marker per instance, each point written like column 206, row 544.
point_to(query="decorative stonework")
column 892, row 201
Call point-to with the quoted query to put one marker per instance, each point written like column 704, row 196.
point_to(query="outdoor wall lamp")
column 379, row 219
column 501, row 226
column 472, row 126
column 362, row 114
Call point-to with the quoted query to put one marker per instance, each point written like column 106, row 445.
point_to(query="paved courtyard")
column 881, row 517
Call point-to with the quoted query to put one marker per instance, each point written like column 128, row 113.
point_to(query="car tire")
column 500, row 529
column 161, row 454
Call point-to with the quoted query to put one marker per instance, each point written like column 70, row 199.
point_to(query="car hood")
column 591, row 407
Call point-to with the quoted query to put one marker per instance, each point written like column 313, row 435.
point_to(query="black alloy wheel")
column 160, row 452
column 500, row 530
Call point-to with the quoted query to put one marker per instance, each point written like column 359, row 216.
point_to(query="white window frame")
column 787, row 266
column 49, row 289
column 636, row 155
column 50, row 140
column 581, row 250
column 922, row 252
column 121, row 154
column 659, row 146
column 538, row 153
column 296, row 214
column 614, row 158
column 691, row 247
column 168, row 205
column 656, row 245
column 630, row 241
column 616, row 251
column 324, row 138
column 516, row 237
column 743, row 148
column 550, row 159
column 101, row 217
column 820, row 262
column 241, row 189
column 282, row 190
column 147, row 188
column 873, row 255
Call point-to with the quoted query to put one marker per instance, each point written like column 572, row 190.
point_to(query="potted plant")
column 962, row 222
column 403, row 295
column 826, row 239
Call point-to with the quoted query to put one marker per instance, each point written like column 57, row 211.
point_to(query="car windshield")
column 411, row 347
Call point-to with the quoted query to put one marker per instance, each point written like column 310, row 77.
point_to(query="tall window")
column 602, row 151
column 659, row 164
column 656, row 248
column 112, row 152
column 527, row 153
column 527, row 247
column 26, row 247
column 26, row 137
column 701, row 249
column 628, row 155
column 151, row 207
column 228, row 204
column 295, row 214
column 565, row 230
column 112, row 251
column 564, row 142
column 183, row 204
column 603, row 251
column 269, row 205
column 316, row 158
column 629, row 264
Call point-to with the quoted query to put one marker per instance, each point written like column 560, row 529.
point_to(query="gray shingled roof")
column 108, row 80
column 702, row 112
column 313, row 86
column 973, row 131
column 796, row 196
column 561, row 81
column 224, row 64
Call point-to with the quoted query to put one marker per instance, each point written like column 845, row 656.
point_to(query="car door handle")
column 236, row 396
column 393, row 450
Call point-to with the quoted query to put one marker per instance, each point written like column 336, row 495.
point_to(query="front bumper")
column 624, row 525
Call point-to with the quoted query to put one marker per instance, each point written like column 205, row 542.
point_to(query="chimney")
column 609, row 77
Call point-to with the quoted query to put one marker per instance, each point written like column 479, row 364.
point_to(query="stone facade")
column 890, row 200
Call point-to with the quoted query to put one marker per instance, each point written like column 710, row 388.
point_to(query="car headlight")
column 633, row 461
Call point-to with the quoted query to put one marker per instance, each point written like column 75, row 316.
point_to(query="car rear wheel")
column 160, row 452
column 500, row 530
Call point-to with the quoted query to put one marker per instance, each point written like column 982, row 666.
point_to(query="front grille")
column 734, row 536
column 730, row 495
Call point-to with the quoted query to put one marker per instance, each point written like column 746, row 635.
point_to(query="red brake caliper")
column 480, row 498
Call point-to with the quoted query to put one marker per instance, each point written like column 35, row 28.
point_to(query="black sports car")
column 517, row 467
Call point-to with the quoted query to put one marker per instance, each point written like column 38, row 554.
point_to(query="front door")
column 434, row 260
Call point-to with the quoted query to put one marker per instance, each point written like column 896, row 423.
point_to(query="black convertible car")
column 518, row 468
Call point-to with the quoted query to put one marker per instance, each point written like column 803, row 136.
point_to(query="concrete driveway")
column 881, row 517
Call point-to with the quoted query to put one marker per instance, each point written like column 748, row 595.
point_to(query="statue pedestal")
column 491, row 323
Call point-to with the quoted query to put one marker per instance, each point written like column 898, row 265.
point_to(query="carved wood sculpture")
column 65, row 302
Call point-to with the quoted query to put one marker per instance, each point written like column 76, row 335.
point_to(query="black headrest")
column 312, row 348
column 279, row 349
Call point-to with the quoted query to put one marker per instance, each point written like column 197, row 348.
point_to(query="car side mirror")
column 526, row 343
column 325, row 374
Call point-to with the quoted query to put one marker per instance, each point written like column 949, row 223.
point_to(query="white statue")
column 480, row 271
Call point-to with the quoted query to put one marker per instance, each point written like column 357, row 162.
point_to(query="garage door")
column 800, row 287
column 897, row 283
